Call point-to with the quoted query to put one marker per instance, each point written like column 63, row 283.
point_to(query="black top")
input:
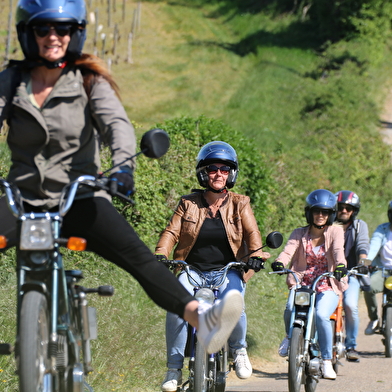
column 211, row 250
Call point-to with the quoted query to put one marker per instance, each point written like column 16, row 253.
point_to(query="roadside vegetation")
column 296, row 87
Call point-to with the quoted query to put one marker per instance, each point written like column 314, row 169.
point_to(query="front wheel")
column 296, row 359
column 200, row 375
column 34, row 364
column 388, row 332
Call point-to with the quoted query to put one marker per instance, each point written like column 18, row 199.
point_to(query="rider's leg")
column 376, row 286
column 326, row 303
column 350, row 304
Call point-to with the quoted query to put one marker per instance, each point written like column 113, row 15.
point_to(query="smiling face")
column 53, row 45
column 320, row 216
column 345, row 212
column 217, row 178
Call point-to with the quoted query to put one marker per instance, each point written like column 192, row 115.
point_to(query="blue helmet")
column 30, row 12
column 323, row 199
column 216, row 152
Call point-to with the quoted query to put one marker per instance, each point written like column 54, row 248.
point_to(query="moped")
column 208, row 372
column 54, row 322
column 385, row 328
column 304, row 357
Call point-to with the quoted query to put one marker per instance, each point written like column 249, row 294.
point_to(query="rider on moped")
column 208, row 229
column 59, row 104
column 313, row 250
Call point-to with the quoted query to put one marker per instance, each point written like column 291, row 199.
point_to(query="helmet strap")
column 223, row 190
column 54, row 64
column 318, row 227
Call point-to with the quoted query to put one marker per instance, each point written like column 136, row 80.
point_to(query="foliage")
column 160, row 183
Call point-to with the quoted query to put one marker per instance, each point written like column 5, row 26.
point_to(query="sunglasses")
column 61, row 30
column 212, row 169
column 347, row 208
column 318, row 211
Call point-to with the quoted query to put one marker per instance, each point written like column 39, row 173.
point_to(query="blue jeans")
column 177, row 328
column 326, row 303
column 350, row 304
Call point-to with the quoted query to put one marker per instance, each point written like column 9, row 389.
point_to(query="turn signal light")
column 388, row 283
column 3, row 241
column 76, row 243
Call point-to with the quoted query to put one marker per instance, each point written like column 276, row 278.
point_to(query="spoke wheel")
column 296, row 360
column 34, row 373
column 201, row 370
column 388, row 332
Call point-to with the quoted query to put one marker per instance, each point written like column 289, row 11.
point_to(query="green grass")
column 267, row 77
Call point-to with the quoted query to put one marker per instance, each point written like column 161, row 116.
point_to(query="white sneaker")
column 217, row 322
column 328, row 371
column 283, row 350
column 243, row 368
column 371, row 328
column 172, row 380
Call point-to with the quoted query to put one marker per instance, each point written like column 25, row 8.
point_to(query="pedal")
column 6, row 349
column 339, row 363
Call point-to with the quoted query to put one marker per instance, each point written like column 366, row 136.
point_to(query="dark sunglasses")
column 347, row 208
column 212, row 169
column 61, row 30
column 318, row 211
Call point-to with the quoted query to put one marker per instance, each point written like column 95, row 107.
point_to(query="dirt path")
column 372, row 374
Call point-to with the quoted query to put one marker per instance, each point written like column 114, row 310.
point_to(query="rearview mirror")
column 155, row 143
column 274, row 239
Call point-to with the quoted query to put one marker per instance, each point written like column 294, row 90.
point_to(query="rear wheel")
column 201, row 370
column 310, row 384
column 34, row 364
column 388, row 332
column 296, row 360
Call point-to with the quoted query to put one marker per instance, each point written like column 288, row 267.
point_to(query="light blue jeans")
column 350, row 304
column 326, row 303
column 177, row 328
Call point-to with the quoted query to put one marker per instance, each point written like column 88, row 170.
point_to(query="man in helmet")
column 380, row 252
column 313, row 250
column 209, row 229
column 58, row 104
column 356, row 247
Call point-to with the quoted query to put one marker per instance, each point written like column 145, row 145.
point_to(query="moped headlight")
column 302, row 298
column 388, row 283
column 36, row 235
column 205, row 295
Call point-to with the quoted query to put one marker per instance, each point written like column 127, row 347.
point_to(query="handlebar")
column 329, row 274
column 67, row 195
column 184, row 266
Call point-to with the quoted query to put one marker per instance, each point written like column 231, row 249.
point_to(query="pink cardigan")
column 295, row 252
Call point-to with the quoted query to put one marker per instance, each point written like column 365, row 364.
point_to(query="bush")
column 160, row 183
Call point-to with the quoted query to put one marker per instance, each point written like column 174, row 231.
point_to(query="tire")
column 34, row 342
column 200, row 381
column 335, row 363
column 388, row 332
column 296, row 363
column 221, row 369
column 310, row 384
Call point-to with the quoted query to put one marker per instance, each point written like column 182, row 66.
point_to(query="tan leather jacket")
column 184, row 227
column 55, row 144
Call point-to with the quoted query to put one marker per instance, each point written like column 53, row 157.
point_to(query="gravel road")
column 372, row 374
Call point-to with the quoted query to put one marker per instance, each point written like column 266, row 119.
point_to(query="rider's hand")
column 340, row 272
column 277, row 266
column 121, row 181
column 362, row 269
column 255, row 263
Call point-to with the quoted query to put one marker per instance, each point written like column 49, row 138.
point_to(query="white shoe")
column 371, row 328
column 283, row 350
column 172, row 380
column 243, row 368
column 217, row 322
column 328, row 371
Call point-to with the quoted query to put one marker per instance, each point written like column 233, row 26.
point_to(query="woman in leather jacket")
column 208, row 229
column 59, row 104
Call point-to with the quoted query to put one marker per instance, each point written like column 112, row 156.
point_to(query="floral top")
column 317, row 264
